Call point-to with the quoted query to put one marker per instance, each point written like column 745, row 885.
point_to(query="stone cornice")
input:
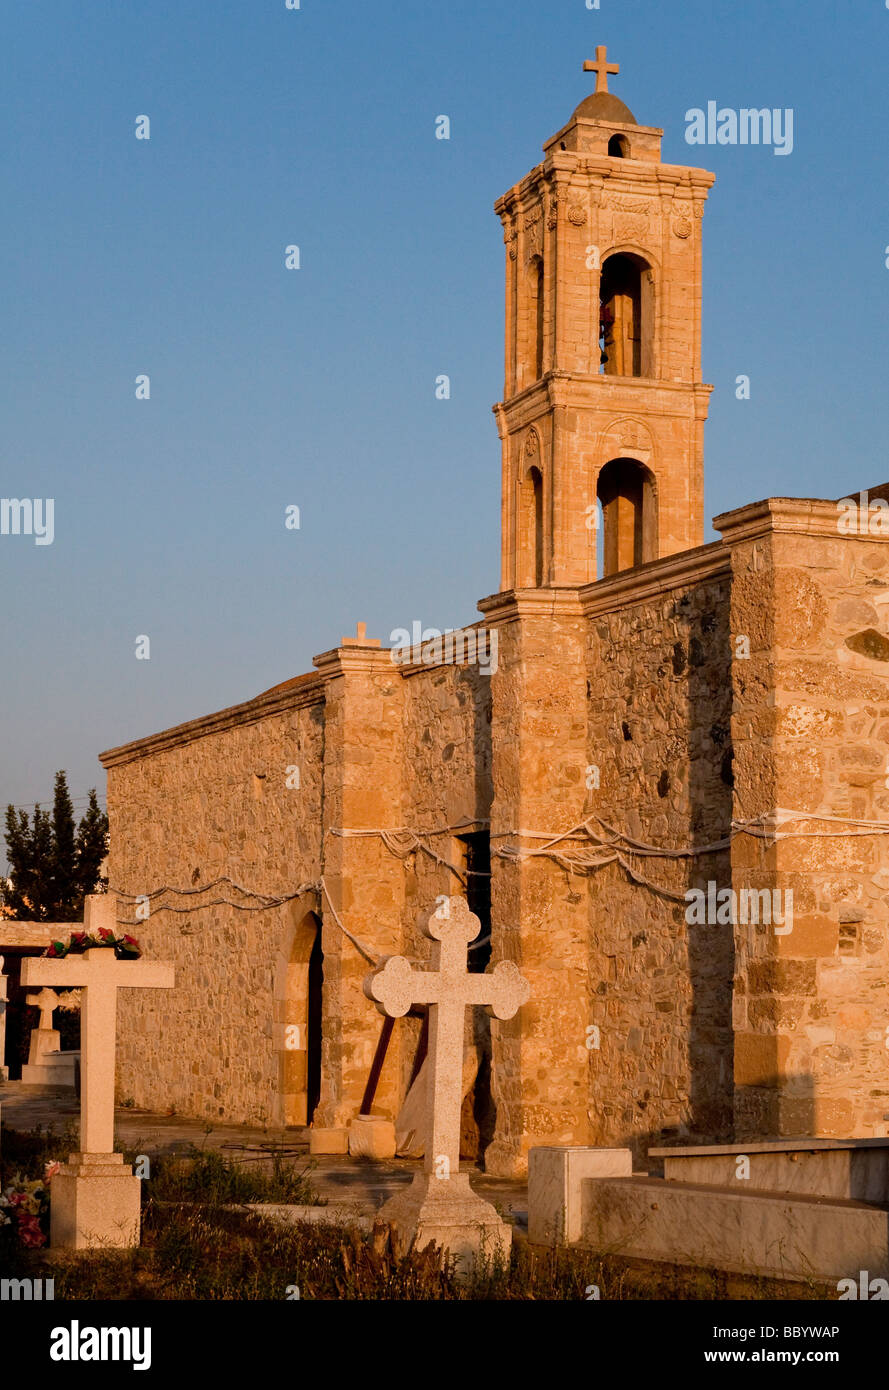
column 608, row 595
column 296, row 694
column 812, row 516
column 642, row 177
column 508, row 204
column 602, row 169
column 449, row 642
column 561, row 387
column 505, row 607
column 654, row 578
column 353, row 660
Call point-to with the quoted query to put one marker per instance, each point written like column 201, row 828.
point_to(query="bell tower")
column 602, row 420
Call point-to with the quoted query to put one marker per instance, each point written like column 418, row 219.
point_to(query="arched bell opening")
column 626, row 316
column 626, row 491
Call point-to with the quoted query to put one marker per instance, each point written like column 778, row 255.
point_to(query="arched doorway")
column 298, row 997
column 626, row 491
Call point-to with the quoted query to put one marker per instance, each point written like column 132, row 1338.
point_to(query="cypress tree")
column 52, row 863
column 63, row 869
column 92, row 847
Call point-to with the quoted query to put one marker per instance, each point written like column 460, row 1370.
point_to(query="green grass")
column 195, row 1246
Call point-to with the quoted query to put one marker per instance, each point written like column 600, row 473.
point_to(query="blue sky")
column 315, row 387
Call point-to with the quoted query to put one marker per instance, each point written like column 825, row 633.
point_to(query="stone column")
column 363, row 757
column 810, row 731
column 538, row 916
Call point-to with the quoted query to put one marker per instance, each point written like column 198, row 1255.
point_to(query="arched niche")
column 535, row 290
column 530, row 567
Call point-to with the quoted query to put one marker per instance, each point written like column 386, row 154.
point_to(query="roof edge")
column 300, row 691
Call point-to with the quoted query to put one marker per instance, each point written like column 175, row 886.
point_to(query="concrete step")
column 844, row 1169
column 773, row 1235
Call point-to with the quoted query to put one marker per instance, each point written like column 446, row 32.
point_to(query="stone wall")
column 659, row 734
column 211, row 799
column 811, row 732
column 363, row 772
column 40, row 934
column 539, row 731
column 185, row 810
column 447, row 784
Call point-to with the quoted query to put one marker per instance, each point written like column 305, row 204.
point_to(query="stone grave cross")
column 448, row 988
column 46, row 1001
column 440, row 1205
column 100, row 975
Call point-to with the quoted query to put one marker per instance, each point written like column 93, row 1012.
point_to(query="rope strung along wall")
column 604, row 845
column 266, row 902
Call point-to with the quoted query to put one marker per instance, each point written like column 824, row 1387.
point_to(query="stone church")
column 662, row 715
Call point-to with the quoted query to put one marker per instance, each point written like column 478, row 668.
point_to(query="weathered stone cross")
column 100, row 976
column 601, row 67
column 46, row 1001
column 448, row 988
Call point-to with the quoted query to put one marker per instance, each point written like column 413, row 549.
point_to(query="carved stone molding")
column 627, row 437
column 619, row 202
column 630, row 228
column 533, row 225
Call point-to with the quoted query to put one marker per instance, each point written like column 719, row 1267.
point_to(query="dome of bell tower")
column 605, row 106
